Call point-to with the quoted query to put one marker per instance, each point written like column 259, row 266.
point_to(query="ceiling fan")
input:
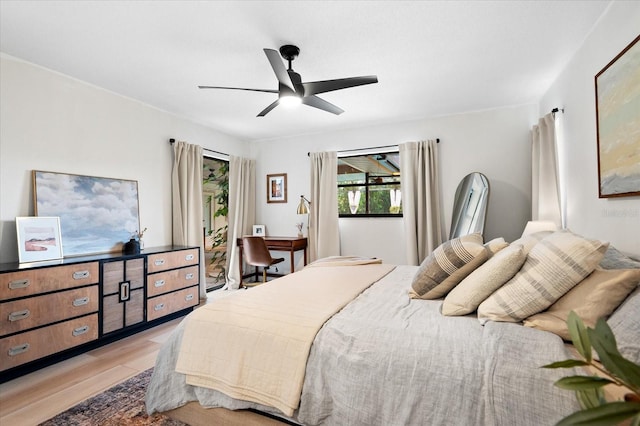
column 292, row 90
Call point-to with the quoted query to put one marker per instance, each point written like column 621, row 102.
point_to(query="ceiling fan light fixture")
column 290, row 100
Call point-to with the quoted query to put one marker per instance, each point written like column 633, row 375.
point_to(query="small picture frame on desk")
column 39, row 238
column 277, row 188
column 258, row 231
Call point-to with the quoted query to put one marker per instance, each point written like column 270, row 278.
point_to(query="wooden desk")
column 290, row 244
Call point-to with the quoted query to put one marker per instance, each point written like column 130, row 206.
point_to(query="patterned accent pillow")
column 528, row 241
column 479, row 284
column 447, row 265
column 553, row 266
column 596, row 296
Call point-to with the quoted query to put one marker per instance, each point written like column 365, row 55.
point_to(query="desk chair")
column 257, row 254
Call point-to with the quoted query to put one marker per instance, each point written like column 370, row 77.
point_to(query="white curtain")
column 186, row 183
column 421, row 199
column 545, row 187
column 242, row 212
column 324, row 235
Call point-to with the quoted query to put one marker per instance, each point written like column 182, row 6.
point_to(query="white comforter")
column 388, row 360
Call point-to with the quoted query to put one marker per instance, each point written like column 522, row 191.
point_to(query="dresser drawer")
column 34, row 281
column 31, row 312
column 166, row 304
column 173, row 259
column 31, row 345
column 164, row 282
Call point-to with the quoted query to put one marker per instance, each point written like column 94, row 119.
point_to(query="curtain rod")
column 553, row 111
column 370, row 148
column 172, row 141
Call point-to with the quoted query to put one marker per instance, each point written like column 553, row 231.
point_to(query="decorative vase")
column 131, row 247
column 300, row 235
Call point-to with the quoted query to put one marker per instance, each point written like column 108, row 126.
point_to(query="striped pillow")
column 486, row 279
column 447, row 265
column 554, row 265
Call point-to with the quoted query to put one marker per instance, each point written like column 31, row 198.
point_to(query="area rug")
column 121, row 405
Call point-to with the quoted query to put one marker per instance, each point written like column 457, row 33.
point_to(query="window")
column 369, row 185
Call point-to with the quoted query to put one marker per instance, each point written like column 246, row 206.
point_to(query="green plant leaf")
column 605, row 415
column 604, row 343
column 569, row 363
column 582, row 382
column 590, row 398
column 579, row 336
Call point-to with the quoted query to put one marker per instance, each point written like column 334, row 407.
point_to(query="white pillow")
column 481, row 283
column 553, row 266
column 496, row 245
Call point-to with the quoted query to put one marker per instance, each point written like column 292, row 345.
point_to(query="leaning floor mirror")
column 470, row 205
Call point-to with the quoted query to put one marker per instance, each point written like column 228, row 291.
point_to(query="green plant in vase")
column 614, row 369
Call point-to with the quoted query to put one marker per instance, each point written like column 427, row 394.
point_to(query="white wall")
column 612, row 219
column 494, row 142
column 54, row 123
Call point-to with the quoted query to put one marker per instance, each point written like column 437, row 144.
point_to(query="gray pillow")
column 615, row 259
column 625, row 324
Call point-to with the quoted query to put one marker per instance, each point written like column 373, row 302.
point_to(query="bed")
column 387, row 359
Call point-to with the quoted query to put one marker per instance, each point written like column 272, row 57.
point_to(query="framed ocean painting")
column 97, row 214
column 618, row 124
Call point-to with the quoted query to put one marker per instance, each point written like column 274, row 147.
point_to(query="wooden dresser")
column 50, row 311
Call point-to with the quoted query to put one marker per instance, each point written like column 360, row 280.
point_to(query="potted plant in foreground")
column 613, row 369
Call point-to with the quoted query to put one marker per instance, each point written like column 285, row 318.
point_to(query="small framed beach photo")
column 39, row 238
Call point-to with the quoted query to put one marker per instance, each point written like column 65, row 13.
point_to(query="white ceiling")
column 431, row 57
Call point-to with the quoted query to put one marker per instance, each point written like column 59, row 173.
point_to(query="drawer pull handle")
column 189, row 276
column 158, row 307
column 16, row 316
column 159, row 262
column 81, row 301
column 189, row 257
column 79, row 275
column 189, row 297
column 14, row 285
column 125, row 294
column 20, row 349
column 80, row 330
column 159, row 283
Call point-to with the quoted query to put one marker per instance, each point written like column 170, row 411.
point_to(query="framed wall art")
column 258, row 231
column 97, row 214
column 38, row 239
column 277, row 188
column 618, row 124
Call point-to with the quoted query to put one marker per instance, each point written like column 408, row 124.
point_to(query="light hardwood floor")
column 36, row 397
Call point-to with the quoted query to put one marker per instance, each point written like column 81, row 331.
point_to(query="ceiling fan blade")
column 278, row 68
column 315, row 87
column 269, row 108
column 238, row 88
column 319, row 103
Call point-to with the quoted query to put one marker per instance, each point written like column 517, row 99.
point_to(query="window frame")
column 367, row 185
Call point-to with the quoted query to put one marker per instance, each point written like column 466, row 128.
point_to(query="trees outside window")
column 369, row 185
column 215, row 192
